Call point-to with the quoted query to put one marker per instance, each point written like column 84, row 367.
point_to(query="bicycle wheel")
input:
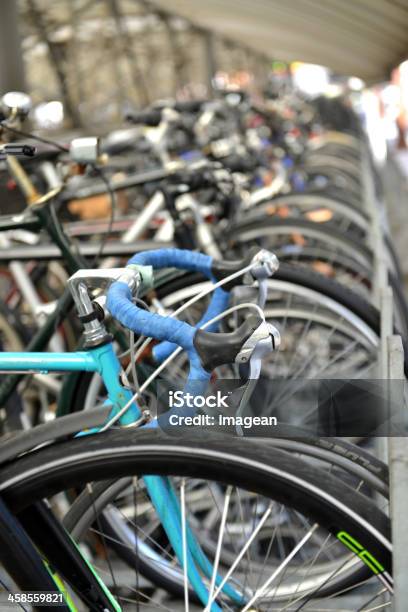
column 251, row 485
column 323, row 248
column 309, row 205
column 319, row 159
column 354, row 466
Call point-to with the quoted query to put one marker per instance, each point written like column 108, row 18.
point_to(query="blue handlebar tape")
column 175, row 258
column 145, row 323
column 219, row 302
column 190, row 261
column 170, row 331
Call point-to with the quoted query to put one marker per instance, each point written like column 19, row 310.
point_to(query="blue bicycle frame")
column 102, row 360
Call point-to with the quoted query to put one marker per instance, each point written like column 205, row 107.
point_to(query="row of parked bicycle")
column 214, row 247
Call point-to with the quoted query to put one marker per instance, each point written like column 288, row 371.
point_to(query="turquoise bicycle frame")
column 103, row 361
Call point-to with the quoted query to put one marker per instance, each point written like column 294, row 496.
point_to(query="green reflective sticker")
column 61, row 587
column 105, row 589
column 359, row 550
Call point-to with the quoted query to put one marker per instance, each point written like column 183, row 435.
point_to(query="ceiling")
column 364, row 38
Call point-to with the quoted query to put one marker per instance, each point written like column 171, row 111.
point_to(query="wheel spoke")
column 264, row 588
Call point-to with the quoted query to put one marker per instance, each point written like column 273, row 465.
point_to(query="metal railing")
column 391, row 367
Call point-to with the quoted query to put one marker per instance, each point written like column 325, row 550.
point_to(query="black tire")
column 335, row 451
column 242, row 463
column 321, row 198
column 326, row 230
column 238, row 234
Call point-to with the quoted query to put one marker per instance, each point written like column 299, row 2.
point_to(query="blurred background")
column 86, row 63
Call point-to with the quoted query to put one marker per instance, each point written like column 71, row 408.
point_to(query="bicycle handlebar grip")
column 150, row 118
column 239, row 163
column 143, row 322
column 218, row 303
column 223, row 268
column 195, row 262
column 190, row 106
column 210, row 348
column 219, row 349
column 175, row 258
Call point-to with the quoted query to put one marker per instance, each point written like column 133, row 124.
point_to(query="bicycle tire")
column 336, row 452
column 311, row 200
column 252, row 230
column 256, row 467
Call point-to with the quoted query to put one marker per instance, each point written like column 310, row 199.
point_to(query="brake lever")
column 17, row 150
column 263, row 341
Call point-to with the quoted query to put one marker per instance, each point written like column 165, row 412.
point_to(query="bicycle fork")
column 163, row 495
